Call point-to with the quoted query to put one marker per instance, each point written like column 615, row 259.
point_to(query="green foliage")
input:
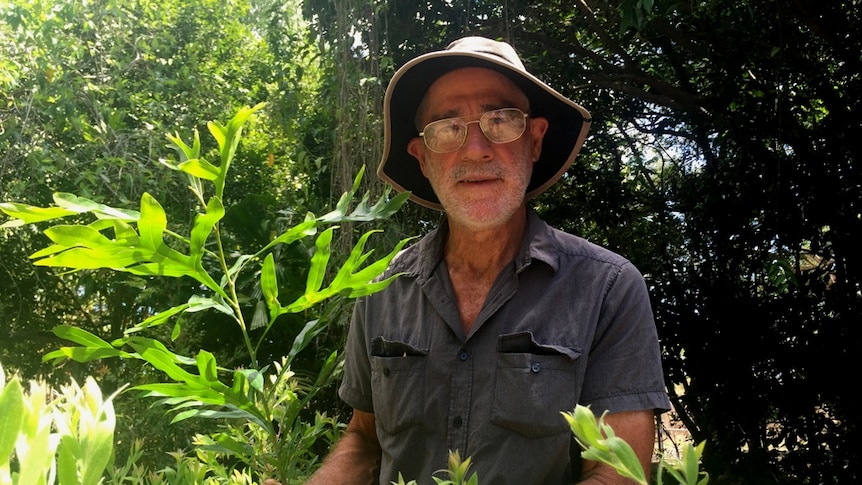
column 599, row 443
column 457, row 471
column 49, row 437
column 262, row 408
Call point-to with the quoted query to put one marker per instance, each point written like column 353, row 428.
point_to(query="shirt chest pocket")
column 398, row 385
column 533, row 384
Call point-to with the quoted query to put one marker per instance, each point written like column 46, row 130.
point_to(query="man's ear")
column 416, row 147
column 538, row 128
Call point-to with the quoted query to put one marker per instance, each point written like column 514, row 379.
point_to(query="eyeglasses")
column 499, row 126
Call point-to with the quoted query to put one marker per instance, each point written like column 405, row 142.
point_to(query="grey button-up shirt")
column 568, row 322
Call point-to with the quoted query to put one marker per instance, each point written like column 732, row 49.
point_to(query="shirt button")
column 536, row 367
column 457, row 422
column 386, row 371
column 463, row 356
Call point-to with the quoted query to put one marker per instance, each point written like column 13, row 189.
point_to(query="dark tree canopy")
column 724, row 161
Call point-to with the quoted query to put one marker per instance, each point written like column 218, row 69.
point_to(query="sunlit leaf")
column 72, row 236
column 203, row 226
column 28, row 214
column 269, row 285
column 319, row 261
column 152, row 223
column 11, row 414
column 157, row 319
column 86, row 258
column 81, row 205
column 198, row 167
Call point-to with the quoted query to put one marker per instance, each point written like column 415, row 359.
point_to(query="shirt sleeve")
column 355, row 389
column 624, row 370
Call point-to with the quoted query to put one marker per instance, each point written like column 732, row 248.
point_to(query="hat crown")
column 483, row 45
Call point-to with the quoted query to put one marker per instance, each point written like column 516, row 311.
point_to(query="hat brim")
column 568, row 122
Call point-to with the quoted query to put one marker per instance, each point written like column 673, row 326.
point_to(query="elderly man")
column 499, row 322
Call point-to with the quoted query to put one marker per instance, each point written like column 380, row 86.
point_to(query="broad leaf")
column 153, row 222
column 198, row 167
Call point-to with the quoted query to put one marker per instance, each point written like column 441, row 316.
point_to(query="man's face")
column 482, row 184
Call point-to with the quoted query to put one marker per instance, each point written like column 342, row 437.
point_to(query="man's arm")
column 637, row 428
column 355, row 459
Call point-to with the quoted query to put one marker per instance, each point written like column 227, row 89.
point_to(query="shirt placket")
column 460, row 397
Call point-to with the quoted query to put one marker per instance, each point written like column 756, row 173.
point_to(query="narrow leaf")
column 87, row 258
column 158, row 319
column 28, row 214
column 319, row 261
column 81, row 205
column 269, row 285
column 80, row 336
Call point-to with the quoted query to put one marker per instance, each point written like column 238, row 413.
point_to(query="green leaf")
column 354, row 260
column 82, row 354
column 327, row 370
column 68, row 453
column 67, row 204
column 82, row 205
column 124, row 231
column 80, row 337
column 234, row 446
column 305, row 336
column 144, row 342
column 161, row 358
column 157, row 319
column 203, row 226
column 254, row 378
column 186, row 152
column 198, row 167
column 295, row 233
column 199, row 303
column 152, row 223
column 228, row 137
column 71, row 236
column 627, row 463
column 319, row 261
column 28, row 214
column 207, row 366
column 11, row 414
column 269, row 285
column 87, row 258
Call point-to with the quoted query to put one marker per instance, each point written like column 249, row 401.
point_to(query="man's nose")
column 476, row 140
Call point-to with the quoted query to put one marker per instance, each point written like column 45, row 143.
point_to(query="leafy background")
column 723, row 160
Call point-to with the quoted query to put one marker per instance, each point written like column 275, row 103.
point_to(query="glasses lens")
column 446, row 135
column 503, row 125
column 499, row 126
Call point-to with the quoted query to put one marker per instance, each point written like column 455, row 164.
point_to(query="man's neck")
column 485, row 252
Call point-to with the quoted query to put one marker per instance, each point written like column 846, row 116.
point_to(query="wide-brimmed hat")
column 568, row 122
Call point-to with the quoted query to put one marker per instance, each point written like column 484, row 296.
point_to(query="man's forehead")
column 452, row 92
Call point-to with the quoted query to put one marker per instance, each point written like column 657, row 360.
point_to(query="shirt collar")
column 420, row 260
